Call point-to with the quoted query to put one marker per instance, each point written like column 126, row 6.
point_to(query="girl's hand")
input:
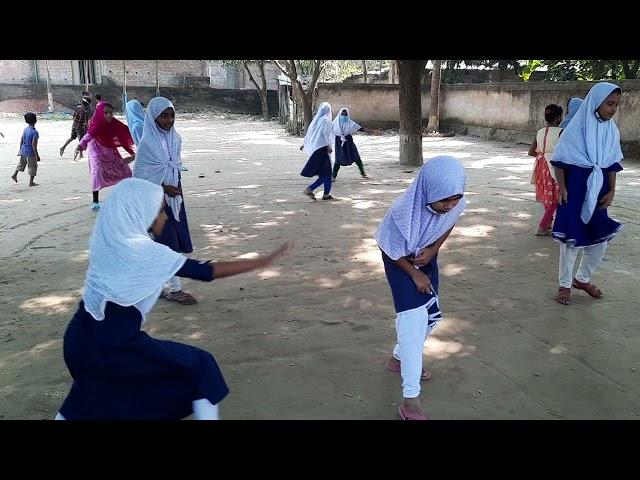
column 606, row 200
column 423, row 284
column 562, row 194
column 425, row 255
column 172, row 191
column 284, row 248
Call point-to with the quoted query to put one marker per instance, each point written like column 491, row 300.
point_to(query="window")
column 87, row 71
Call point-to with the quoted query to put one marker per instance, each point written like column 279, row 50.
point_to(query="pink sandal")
column 395, row 368
column 406, row 415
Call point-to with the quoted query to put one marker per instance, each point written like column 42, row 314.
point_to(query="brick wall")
column 17, row 71
column 187, row 99
column 171, row 73
column 229, row 77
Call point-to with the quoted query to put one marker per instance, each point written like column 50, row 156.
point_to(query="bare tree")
column 364, row 71
column 409, row 99
column 434, row 114
column 293, row 69
column 262, row 88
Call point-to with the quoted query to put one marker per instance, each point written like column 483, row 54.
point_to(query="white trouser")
column 174, row 284
column 591, row 259
column 412, row 329
column 203, row 409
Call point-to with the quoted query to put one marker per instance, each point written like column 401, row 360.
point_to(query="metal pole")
column 157, row 78
column 49, row 94
column 124, row 85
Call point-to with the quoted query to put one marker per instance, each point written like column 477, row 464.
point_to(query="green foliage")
column 592, row 69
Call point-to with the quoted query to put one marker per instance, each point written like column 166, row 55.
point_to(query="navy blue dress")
column 405, row 294
column 318, row 164
column 568, row 227
column 121, row 373
column 175, row 235
column 348, row 153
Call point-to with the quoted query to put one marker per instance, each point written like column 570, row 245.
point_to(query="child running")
column 317, row 143
column 120, row 372
column 28, row 152
column 346, row 151
column 106, row 165
column 410, row 236
column 81, row 116
column 158, row 160
column 586, row 159
column 543, row 175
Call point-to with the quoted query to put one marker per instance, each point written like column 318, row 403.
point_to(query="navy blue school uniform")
column 319, row 164
column 568, row 226
column 121, row 373
column 175, row 235
column 348, row 153
column 405, row 294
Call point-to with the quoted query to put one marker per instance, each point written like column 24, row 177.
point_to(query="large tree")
column 409, row 102
column 261, row 87
column 294, row 69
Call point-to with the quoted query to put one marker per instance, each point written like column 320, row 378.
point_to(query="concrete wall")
column 189, row 99
column 507, row 112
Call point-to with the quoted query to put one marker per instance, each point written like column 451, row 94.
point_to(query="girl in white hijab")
column 159, row 161
column 317, row 143
column 346, row 151
column 120, row 372
column 410, row 236
column 586, row 159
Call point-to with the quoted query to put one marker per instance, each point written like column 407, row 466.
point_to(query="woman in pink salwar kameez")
column 106, row 165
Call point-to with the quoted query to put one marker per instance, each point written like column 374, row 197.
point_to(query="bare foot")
column 14, row 178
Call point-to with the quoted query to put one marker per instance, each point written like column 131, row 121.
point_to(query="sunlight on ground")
column 49, row 304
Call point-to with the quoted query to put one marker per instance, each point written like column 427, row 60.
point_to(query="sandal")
column 181, row 297
column 564, row 296
column 309, row 193
column 328, row 197
column 588, row 287
column 543, row 232
column 407, row 415
column 395, row 368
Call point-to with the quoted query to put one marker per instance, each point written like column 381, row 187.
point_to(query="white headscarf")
column 319, row 131
column 125, row 265
column 590, row 142
column 411, row 224
column 342, row 129
column 158, row 156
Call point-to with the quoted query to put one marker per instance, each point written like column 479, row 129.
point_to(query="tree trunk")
column 264, row 105
column 364, row 71
column 434, row 114
column 392, row 71
column 263, row 93
column 307, row 110
column 410, row 75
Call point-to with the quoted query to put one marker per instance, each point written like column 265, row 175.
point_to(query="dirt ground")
column 309, row 337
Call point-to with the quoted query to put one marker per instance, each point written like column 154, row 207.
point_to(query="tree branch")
column 246, row 67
